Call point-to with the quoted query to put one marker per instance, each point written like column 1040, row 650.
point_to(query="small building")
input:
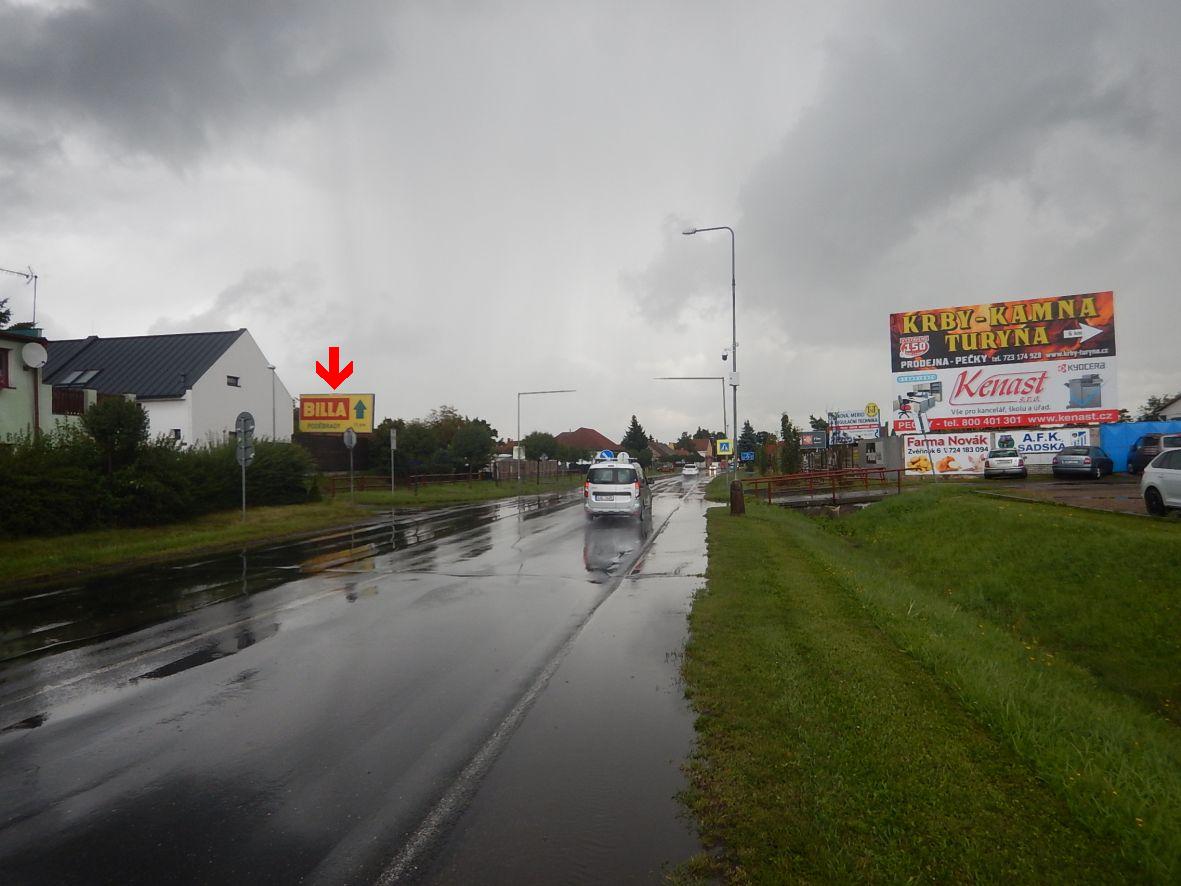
column 192, row 385
column 26, row 401
column 1171, row 411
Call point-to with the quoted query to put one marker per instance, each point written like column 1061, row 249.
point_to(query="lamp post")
column 721, row 378
column 274, row 422
column 521, row 394
column 733, row 326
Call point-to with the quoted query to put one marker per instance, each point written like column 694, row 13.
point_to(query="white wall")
column 215, row 404
column 166, row 415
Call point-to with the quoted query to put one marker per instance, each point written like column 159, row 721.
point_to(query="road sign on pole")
column 350, row 440
column 393, row 449
column 244, row 428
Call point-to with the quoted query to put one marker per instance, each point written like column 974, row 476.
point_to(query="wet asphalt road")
column 484, row 695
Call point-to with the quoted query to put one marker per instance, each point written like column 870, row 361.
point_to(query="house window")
column 3, row 368
column 176, row 433
column 233, row 381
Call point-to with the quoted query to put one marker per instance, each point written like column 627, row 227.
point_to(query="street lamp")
column 521, row 394
column 733, row 325
column 271, row 367
column 721, row 378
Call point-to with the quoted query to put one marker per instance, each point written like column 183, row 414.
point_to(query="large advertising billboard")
column 1012, row 364
column 847, row 425
column 964, row 453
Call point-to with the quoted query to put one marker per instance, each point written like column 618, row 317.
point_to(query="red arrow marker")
column 334, row 374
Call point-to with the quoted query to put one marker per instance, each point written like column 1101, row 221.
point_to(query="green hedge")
column 60, row 483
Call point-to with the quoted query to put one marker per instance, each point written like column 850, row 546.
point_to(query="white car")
column 1005, row 463
column 1160, row 484
column 616, row 487
column 689, row 471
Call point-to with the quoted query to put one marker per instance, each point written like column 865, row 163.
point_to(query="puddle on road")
column 71, row 615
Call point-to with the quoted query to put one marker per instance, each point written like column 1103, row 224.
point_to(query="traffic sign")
column 606, row 454
column 245, row 455
column 244, row 424
column 746, row 456
column 350, row 438
column 724, row 447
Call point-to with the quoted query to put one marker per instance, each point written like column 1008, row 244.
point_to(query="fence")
column 829, row 483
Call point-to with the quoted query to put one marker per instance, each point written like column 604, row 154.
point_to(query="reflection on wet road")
column 301, row 714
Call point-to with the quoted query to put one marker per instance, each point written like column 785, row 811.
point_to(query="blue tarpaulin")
column 1117, row 439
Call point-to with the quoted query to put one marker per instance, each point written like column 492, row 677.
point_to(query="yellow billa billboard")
column 334, row 413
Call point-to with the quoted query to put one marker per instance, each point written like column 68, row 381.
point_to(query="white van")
column 616, row 486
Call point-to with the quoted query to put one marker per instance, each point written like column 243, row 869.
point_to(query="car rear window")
column 616, row 476
column 1003, row 453
column 1173, row 441
column 1077, row 450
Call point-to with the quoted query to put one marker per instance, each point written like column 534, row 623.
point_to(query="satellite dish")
column 34, row 355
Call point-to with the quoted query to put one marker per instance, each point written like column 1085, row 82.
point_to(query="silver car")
column 616, row 487
column 1161, row 483
column 1005, row 463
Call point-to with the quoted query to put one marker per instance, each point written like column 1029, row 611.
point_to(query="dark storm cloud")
column 921, row 105
column 166, row 78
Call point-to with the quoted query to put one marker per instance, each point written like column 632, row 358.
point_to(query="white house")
column 192, row 385
column 1171, row 411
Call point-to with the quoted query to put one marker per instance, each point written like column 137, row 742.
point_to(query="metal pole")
column 243, row 491
column 350, row 476
column 734, row 335
column 391, row 461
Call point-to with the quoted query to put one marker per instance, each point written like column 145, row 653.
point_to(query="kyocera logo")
column 998, row 387
column 914, row 346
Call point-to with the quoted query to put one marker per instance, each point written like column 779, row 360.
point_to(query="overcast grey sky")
column 473, row 199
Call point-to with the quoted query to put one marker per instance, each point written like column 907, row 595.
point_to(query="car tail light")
column 1020, row 462
column 586, row 489
column 637, row 488
column 1055, row 461
column 1087, row 460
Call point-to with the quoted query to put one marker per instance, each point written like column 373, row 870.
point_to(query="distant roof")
column 585, row 438
column 149, row 366
column 661, row 450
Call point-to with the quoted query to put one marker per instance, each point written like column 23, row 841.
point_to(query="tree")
column 418, row 447
column 790, row 460
column 1124, row 415
column 1151, row 410
column 703, row 434
column 817, row 424
column 5, row 313
column 538, row 444
column 473, row 444
column 445, row 421
column 635, row 443
column 379, row 452
column 747, row 442
column 120, row 427
column 685, row 442
column 765, row 437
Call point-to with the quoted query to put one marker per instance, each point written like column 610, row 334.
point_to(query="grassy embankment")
column 26, row 560
column 941, row 687
column 457, row 493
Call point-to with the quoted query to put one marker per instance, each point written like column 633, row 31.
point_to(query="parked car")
column 689, row 471
column 617, row 487
column 1161, row 484
column 1144, row 450
column 1088, row 461
column 1005, row 463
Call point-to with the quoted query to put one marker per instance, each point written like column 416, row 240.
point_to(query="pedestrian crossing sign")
column 724, row 447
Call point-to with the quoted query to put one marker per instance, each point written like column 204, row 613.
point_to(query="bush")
column 59, row 483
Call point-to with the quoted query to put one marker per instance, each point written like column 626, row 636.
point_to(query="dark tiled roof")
column 149, row 366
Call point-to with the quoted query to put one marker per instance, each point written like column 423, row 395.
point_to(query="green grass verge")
column 718, row 489
column 857, row 724
column 28, row 560
column 455, row 493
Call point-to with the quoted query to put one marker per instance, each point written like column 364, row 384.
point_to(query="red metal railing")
column 830, row 483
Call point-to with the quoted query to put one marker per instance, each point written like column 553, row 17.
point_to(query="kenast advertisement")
column 1005, row 365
